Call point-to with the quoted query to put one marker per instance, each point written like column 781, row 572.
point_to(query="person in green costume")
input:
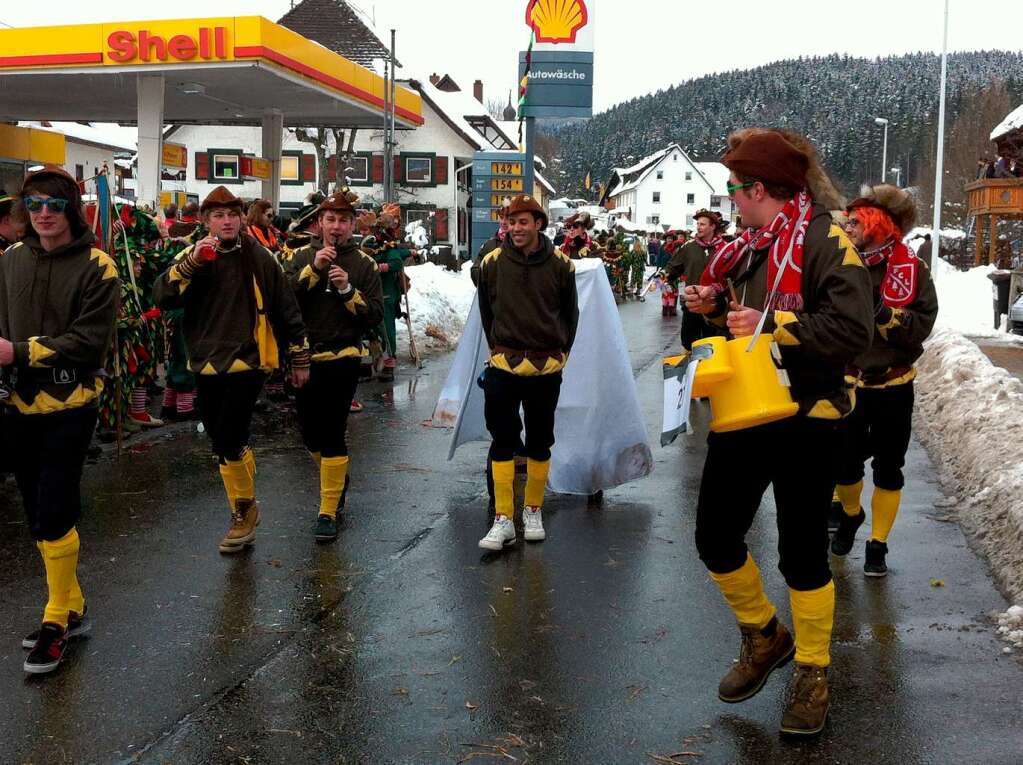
column 390, row 258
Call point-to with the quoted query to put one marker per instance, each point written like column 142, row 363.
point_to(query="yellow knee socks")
column 849, row 496
column 813, row 616
column 536, row 481
column 884, row 506
column 239, row 478
column 503, row 474
column 332, row 482
column 61, row 561
column 744, row 592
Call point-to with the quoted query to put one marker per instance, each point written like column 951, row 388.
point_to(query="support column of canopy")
column 273, row 136
column 150, row 121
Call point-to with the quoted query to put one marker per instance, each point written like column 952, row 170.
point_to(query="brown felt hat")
column 581, row 218
column 769, row 158
column 58, row 173
column 525, row 203
column 220, row 197
column 714, row 217
column 339, row 201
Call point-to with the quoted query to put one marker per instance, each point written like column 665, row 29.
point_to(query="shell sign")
column 556, row 21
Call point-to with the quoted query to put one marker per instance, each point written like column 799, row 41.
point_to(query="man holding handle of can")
column 801, row 280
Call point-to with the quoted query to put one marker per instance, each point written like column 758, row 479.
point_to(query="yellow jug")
column 746, row 388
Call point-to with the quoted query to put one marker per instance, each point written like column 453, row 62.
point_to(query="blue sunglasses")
column 53, row 204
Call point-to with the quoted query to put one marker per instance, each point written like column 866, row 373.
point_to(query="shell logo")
column 556, row 21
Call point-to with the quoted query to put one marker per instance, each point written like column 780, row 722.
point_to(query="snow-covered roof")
column 1013, row 122
column 107, row 134
column 543, row 181
column 643, row 163
column 458, row 107
column 716, row 175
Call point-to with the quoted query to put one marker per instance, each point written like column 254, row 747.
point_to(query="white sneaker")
column 532, row 525
column 501, row 534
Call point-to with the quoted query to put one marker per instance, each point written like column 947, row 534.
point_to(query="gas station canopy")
column 216, row 71
column 240, row 70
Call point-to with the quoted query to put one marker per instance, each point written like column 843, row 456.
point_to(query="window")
column 660, row 175
column 689, row 221
column 690, row 199
column 424, row 216
column 653, row 219
column 715, row 201
column 226, row 167
column 674, row 157
column 418, row 170
column 689, row 175
column 291, row 168
column 657, row 197
column 359, row 169
column 79, row 172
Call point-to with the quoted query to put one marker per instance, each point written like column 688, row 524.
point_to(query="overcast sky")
column 641, row 45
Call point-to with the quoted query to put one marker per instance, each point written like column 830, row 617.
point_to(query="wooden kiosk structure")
column 997, row 199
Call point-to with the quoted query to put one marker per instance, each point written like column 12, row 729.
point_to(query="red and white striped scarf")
column 901, row 278
column 785, row 236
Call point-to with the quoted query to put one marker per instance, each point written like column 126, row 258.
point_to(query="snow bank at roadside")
column 969, row 414
column 439, row 301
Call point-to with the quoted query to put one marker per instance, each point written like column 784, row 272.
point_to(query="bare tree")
column 327, row 142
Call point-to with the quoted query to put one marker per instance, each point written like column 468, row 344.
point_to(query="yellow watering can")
column 744, row 381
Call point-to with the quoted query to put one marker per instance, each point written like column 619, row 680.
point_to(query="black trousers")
column 694, row 327
column 226, row 403
column 538, row 397
column 324, row 404
column 879, row 427
column 798, row 457
column 47, row 452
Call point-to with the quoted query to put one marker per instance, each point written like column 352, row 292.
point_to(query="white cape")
column 600, row 438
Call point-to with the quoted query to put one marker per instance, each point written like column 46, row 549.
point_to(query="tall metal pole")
column 530, row 184
column 940, row 163
column 884, row 155
column 394, row 76
column 387, row 145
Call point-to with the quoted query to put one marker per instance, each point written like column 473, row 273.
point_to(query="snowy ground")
column 969, row 415
column 439, row 301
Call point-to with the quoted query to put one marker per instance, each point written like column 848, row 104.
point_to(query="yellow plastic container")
column 746, row 389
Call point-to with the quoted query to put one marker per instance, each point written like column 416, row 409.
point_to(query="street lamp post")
column 898, row 175
column 884, row 151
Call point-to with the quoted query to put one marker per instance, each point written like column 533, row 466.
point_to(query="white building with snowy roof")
column 666, row 189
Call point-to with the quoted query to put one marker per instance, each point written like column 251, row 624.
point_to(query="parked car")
column 1016, row 317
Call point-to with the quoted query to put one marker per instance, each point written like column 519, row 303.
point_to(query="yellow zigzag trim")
column 783, row 336
column 44, row 403
column 356, row 301
column 850, row 256
column 105, row 262
column 309, row 275
column 38, row 353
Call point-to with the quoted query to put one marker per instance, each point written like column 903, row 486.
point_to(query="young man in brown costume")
column 905, row 307
column 687, row 264
column 339, row 292
column 58, row 306
column 237, row 303
column 800, row 269
column 529, row 310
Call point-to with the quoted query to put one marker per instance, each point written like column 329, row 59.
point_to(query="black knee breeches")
column 324, row 404
column 226, row 403
column 537, row 396
column 880, row 427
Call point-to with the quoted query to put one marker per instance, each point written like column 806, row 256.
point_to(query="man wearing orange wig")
column 905, row 307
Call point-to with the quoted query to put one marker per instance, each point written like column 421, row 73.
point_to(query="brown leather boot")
column 762, row 651
column 242, row 533
column 806, row 708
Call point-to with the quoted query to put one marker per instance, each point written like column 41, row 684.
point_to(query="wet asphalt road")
column 402, row 643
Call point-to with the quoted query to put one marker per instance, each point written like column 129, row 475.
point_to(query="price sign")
column 506, row 168
column 506, row 184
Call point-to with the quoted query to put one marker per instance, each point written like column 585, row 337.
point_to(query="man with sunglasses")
column 687, row 265
column 806, row 286
column 58, row 306
column 237, row 303
column 577, row 244
column 905, row 308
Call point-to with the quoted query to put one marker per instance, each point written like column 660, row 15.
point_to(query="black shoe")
column 874, row 564
column 48, row 651
column 844, row 537
column 835, row 516
column 168, row 414
column 326, row 528
column 154, row 389
column 76, row 625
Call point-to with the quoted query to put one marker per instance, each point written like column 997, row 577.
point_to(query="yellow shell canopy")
column 556, row 21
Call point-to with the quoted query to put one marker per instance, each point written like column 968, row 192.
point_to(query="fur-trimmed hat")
column 57, row 173
column 720, row 224
column 340, row 201
column 815, row 177
column 525, row 203
column 389, row 217
column 220, row 197
column 898, row 203
column 581, row 218
column 366, row 219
